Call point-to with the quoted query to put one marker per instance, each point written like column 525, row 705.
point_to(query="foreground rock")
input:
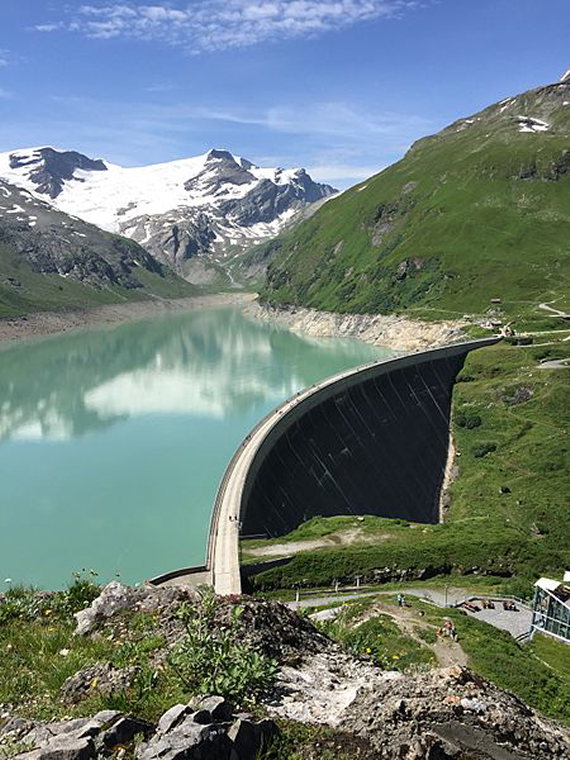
column 183, row 732
column 117, row 598
column 452, row 713
column 447, row 714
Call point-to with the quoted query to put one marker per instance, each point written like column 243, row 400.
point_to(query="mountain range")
column 475, row 215
column 479, row 212
column 191, row 214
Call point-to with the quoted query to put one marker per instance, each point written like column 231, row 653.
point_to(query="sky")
column 340, row 87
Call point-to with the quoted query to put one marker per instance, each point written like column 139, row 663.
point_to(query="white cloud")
column 46, row 27
column 336, row 174
column 333, row 121
column 208, row 25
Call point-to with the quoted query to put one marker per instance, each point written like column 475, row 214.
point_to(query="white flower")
column 64, row 652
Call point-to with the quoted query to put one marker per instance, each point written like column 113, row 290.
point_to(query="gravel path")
column 516, row 623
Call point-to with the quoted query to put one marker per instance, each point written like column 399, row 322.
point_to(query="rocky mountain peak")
column 224, row 155
column 49, row 168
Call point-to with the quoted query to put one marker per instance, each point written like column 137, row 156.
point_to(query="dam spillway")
column 373, row 440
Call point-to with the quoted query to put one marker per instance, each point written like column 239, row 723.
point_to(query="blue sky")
column 341, row 87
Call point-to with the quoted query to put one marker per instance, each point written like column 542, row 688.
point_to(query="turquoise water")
column 113, row 441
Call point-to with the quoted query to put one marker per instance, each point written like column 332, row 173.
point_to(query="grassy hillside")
column 479, row 211
column 51, row 261
column 23, row 290
column 507, row 511
column 401, row 639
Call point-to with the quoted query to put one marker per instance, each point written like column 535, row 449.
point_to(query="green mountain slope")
column 51, row 261
column 479, row 211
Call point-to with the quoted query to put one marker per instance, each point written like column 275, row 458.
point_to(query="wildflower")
column 64, row 652
column 368, row 650
column 48, row 612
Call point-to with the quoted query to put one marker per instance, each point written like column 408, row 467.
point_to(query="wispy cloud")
column 335, row 119
column 47, row 27
column 340, row 143
column 4, row 58
column 209, row 25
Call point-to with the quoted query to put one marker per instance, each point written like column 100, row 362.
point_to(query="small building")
column 551, row 608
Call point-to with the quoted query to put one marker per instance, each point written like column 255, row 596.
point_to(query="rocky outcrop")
column 452, row 713
column 445, row 714
column 205, row 730
column 116, row 598
column 390, row 331
column 54, row 243
column 51, row 168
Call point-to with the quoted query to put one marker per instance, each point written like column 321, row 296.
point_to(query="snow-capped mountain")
column 211, row 205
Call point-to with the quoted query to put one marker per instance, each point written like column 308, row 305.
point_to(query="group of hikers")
column 448, row 628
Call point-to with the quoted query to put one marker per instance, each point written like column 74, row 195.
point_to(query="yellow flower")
column 48, row 612
column 368, row 650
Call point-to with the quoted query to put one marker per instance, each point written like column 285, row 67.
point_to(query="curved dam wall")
column 372, row 440
column 375, row 441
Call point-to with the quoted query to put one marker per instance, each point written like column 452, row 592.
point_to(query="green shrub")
column 482, row 449
column 468, row 420
column 213, row 660
column 26, row 603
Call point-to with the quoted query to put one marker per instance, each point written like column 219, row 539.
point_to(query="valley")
column 386, row 537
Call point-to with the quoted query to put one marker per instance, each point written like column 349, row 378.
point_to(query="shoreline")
column 40, row 324
column 386, row 331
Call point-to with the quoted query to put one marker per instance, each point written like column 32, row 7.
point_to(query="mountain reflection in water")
column 112, row 442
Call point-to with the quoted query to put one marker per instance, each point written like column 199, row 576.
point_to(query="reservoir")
column 113, row 441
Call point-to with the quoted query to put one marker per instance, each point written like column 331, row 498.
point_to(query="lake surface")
column 113, row 441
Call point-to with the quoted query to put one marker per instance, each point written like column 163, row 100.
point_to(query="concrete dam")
column 372, row 440
column 375, row 442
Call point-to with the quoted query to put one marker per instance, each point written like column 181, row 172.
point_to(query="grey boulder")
column 190, row 741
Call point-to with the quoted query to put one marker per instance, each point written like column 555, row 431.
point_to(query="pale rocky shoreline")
column 389, row 331
column 42, row 323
